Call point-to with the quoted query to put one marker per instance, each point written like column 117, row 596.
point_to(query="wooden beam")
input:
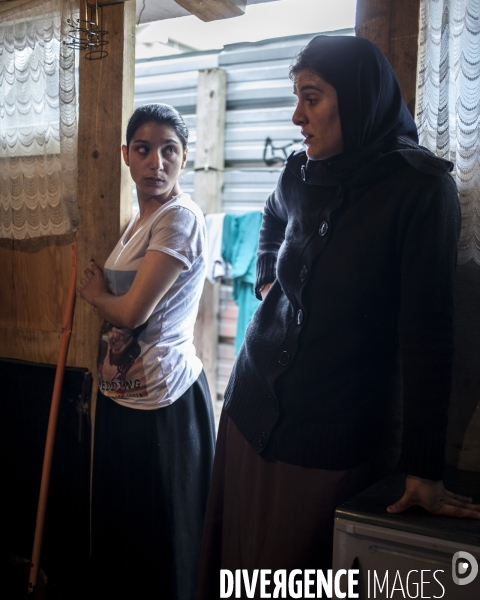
column 104, row 185
column 209, row 164
column 394, row 27
column 213, row 10
column 106, row 2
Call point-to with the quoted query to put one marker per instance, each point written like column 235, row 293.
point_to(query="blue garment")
column 239, row 249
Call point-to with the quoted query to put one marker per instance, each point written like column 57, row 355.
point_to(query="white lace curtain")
column 448, row 105
column 38, row 121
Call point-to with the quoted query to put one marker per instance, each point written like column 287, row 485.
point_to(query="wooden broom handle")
column 52, row 425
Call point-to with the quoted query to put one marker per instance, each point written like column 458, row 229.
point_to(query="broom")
column 52, row 425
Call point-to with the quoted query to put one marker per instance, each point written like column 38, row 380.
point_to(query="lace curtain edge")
column 448, row 105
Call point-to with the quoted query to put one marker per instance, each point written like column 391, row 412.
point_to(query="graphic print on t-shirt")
column 120, row 366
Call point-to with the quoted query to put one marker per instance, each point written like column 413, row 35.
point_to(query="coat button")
column 303, row 273
column 284, row 358
column 273, row 402
column 299, row 317
column 262, row 440
column 323, row 229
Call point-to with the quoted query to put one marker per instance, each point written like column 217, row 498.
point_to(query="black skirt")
column 151, row 475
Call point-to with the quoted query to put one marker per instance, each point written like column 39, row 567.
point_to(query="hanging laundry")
column 239, row 248
column 216, row 267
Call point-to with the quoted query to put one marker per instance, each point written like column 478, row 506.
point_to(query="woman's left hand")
column 93, row 284
column 432, row 496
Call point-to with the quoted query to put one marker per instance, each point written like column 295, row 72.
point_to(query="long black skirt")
column 151, row 477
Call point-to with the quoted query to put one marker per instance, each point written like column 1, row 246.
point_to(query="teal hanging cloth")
column 239, row 249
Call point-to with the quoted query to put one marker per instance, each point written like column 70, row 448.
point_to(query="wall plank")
column 34, row 290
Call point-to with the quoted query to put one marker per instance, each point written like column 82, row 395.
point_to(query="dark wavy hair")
column 163, row 114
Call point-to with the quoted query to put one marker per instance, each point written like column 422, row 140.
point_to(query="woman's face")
column 155, row 157
column 317, row 115
column 119, row 340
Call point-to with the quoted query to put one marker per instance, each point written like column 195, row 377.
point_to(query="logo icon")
column 461, row 563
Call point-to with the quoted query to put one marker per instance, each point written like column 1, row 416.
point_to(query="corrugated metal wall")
column 260, row 104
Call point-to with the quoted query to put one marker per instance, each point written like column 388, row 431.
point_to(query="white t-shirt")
column 154, row 364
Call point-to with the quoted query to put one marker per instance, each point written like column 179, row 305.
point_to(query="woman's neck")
column 149, row 204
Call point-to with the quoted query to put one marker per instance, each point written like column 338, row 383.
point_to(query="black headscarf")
column 372, row 111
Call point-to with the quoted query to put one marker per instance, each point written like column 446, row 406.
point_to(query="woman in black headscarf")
column 356, row 263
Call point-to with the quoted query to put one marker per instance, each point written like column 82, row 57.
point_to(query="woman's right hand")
column 265, row 289
column 93, row 284
column 432, row 496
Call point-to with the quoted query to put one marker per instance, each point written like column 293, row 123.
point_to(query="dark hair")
column 163, row 114
column 308, row 60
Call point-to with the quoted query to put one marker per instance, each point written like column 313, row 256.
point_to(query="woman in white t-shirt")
column 154, row 425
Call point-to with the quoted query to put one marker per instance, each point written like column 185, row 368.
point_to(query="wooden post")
column 394, row 26
column 209, row 164
column 104, row 185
